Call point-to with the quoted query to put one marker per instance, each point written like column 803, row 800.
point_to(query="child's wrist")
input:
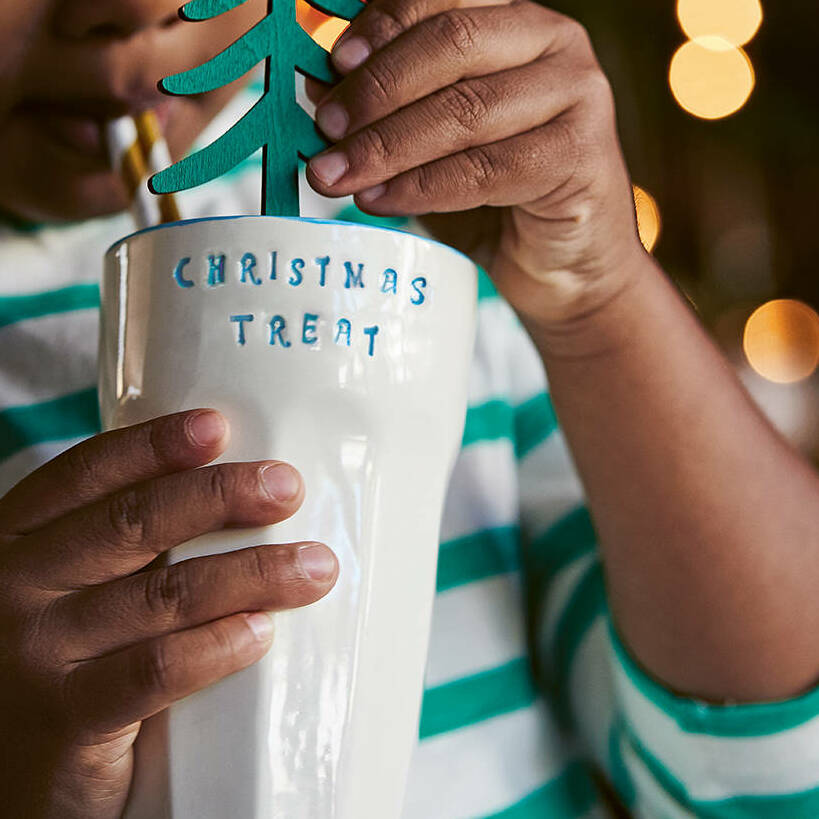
column 590, row 315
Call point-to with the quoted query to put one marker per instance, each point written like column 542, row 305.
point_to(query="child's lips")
column 80, row 132
column 83, row 134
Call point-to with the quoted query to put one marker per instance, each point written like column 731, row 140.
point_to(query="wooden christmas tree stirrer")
column 276, row 123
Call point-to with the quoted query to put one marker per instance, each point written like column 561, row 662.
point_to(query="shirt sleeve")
column 690, row 758
column 665, row 756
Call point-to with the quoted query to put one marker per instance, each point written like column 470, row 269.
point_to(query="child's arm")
column 87, row 650
column 708, row 519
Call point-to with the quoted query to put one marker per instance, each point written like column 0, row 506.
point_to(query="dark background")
column 737, row 196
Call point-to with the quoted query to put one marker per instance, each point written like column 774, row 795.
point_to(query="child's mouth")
column 81, row 132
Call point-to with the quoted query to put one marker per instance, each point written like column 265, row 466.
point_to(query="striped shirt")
column 519, row 580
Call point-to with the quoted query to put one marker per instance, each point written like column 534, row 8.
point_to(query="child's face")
column 68, row 65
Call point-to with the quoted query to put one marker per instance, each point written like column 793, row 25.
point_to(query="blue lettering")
column 248, row 266
column 372, row 332
column 216, row 270
column 322, row 262
column 179, row 276
column 354, row 279
column 297, row 265
column 390, row 284
column 274, row 260
column 308, row 333
column 418, row 285
column 240, row 320
column 343, row 330
column 277, row 325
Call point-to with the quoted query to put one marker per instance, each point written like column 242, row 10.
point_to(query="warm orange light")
column 781, row 341
column 323, row 29
column 309, row 18
column 649, row 223
column 328, row 33
column 711, row 78
column 735, row 21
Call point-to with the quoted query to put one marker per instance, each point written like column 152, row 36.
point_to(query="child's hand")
column 88, row 649
column 451, row 105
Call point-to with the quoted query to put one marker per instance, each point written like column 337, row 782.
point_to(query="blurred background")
column 719, row 118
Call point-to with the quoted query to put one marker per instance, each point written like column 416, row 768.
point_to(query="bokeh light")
column 649, row 222
column 323, row 29
column 710, row 78
column 781, row 341
column 735, row 21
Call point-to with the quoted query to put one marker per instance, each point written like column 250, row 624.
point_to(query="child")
column 496, row 118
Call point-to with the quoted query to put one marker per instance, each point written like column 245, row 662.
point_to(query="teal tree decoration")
column 276, row 123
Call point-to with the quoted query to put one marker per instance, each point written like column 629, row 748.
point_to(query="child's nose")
column 81, row 19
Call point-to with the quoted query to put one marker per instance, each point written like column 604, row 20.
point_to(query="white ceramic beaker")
column 343, row 349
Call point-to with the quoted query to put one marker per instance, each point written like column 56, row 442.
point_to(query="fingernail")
column 332, row 119
column 371, row 194
column 261, row 625
column 206, row 428
column 350, row 53
column 329, row 167
column 281, row 482
column 317, row 561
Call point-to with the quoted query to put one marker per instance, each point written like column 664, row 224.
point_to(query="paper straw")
column 130, row 160
column 158, row 157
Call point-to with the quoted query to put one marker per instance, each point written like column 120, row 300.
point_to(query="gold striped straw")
column 158, row 157
column 137, row 149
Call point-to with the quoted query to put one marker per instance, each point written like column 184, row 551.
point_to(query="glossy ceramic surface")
column 343, row 349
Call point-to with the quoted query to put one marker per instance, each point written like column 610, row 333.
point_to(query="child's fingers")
column 436, row 53
column 384, row 20
column 470, row 113
column 316, row 91
column 112, row 461
column 118, row 689
column 125, row 532
column 522, row 169
column 150, row 604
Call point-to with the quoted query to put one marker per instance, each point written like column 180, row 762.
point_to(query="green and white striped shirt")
column 517, row 547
